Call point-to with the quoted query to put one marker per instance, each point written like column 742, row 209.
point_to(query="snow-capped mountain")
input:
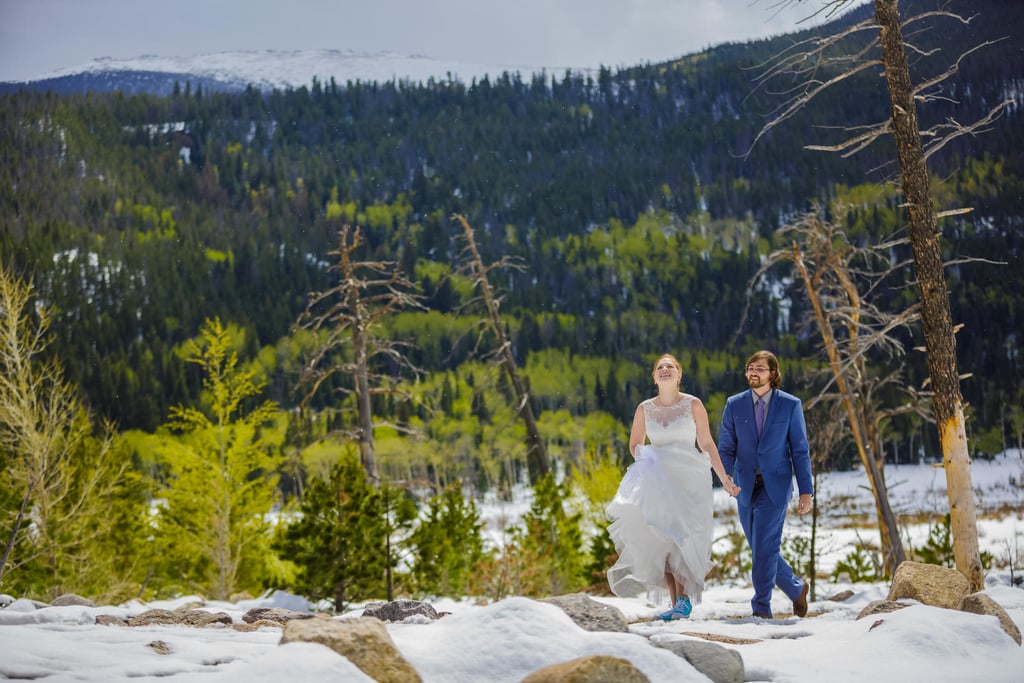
column 263, row 69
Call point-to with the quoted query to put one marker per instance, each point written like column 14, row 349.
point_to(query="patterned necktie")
column 759, row 415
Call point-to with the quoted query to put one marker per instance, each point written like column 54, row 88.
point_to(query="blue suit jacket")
column 781, row 452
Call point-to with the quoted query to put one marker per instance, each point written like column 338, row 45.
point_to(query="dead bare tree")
column 815, row 65
column 536, row 454
column 839, row 279
column 349, row 314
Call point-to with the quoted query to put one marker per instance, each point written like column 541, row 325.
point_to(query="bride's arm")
column 638, row 433
column 707, row 444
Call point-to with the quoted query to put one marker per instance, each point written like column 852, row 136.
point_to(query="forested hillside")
column 633, row 201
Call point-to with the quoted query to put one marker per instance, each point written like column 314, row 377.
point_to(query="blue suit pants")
column 762, row 524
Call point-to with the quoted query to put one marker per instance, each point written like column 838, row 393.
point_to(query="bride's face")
column 666, row 372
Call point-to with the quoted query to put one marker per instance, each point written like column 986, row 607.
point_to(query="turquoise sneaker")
column 681, row 610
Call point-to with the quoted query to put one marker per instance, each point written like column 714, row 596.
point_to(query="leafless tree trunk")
column 536, row 454
column 808, row 62
column 938, row 325
column 367, row 292
column 838, row 279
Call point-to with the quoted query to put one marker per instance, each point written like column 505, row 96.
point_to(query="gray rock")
column 275, row 614
column 589, row 614
column 110, row 620
column 841, row 596
column 399, row 610
column 183, row 617
column 719, row 663
column 71, row 599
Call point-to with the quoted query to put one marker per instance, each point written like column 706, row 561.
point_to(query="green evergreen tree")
column 549, row 545
column 602, row 557
column 220, row 478
column 338, row 538
column 399, row 513
column 938, row 549
column 448, row 546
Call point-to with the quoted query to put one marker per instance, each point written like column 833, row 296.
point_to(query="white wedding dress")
column 662, row 516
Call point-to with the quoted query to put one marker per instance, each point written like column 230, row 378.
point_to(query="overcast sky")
column 41, row 36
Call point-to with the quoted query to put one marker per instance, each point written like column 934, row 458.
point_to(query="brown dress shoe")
column 800, row 604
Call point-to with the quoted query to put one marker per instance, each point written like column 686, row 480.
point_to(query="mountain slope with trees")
column 633, row 199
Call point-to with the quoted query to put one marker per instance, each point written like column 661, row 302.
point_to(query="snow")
column 507, row 639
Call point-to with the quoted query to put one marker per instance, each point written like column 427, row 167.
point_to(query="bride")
column 661, row 516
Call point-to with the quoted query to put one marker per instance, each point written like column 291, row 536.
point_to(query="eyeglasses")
column 756, row 370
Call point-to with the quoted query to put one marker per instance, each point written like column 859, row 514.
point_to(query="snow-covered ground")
column 847, row 517
column 506, row 640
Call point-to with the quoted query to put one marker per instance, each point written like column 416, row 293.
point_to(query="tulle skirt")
column 662, row 520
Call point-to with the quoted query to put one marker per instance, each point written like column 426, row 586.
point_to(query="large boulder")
column 939, row 587
column 364, row 641
column 929, row 584
column 592, row 669
column 589, row 614
column 719, row 663
column 979, row 603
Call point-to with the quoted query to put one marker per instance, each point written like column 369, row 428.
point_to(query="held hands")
column 730, row 486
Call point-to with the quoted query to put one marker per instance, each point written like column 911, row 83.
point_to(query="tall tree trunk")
column 17, row 528
column 536, row 454
column 364, row 407
column 939, row 336
column 888, row 528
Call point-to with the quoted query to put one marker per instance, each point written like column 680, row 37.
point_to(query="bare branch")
column 961, row 130
column 366, row 294
column 803, row 65
column 855, row 144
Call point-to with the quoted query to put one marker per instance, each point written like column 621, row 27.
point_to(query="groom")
column 763, row 443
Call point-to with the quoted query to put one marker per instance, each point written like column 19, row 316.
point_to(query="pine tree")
column 448, row 546
column 549, row 549
column 338, row 538
column 220, row 478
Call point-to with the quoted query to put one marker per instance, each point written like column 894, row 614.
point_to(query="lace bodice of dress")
column 671, row 425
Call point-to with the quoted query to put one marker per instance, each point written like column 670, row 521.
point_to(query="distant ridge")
column 127, row 81
column 262, row 69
